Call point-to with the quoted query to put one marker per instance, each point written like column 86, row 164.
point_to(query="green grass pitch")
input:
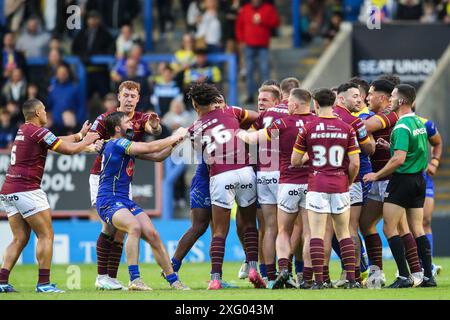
column 195, row 275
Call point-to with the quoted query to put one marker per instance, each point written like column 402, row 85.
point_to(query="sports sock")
column 337, row 249
column 326, row 273
column 171, row 278
column 271, row 271
column 115, row 254
column 263, row 270
column 104, row 244
column 398, row 251
column 317, row 257
column 217, row 252
column 411, row 254
column 307, row 273
column 357, row 274
column 298, row 266
column 4, row 276
column 44, row 276
column 348, row 257
column 251, row 247
column 430, row 240
column 283, row 264
column 424, row 251
column 176, row 264
column 291, row 256
column 374, row 250
column 133, row 270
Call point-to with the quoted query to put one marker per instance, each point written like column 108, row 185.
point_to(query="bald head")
column 30, row 107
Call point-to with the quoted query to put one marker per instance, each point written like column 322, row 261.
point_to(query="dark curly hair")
column 204, row 94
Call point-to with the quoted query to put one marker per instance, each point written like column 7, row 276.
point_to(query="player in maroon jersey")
column 348, row 101
column 231, row 176
column 110, row 242
column 292, row 181
column 25, row 202
column 333, row 151
column 380, row 125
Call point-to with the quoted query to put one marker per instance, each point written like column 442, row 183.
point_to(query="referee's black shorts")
column 406, row 190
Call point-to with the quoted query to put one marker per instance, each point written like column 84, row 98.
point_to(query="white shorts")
column 94, row 181
column 237, row 184
column 356, row 193
column 378, row 190
column 292, row 196
column 26, row 203
column 267, row 186
column 334, row 203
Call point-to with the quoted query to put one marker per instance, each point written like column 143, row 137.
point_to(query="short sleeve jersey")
column 28, row 156
column 328, row 142
column 410, row 135
column 265, row 152
column 286, row 130
column 138, row 120
column 117, row 169
column 215, row 134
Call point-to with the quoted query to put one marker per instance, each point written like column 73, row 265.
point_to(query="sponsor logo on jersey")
column 362, row 132
column 49, row 138
column 243, row 186
column 130, row 168
column 123, row 143
column 416, row 132
column 264, row 180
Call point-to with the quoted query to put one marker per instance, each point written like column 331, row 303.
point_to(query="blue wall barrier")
column 75, row 242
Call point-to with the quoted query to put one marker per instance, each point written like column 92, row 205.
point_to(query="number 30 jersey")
column 215, row 135
column 328, row 142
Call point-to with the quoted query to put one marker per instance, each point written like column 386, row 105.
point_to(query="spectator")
column 8, row 130
column 64, row 95
column 209, row 30
column 333, row 28
column 93, row 40
column 166, row 20
column 55, row 44
column 184, row 57
column 119, row 72
column 409, row 10
column 115, row 13
column 15, row 89
column 177, row 116
column 34, row 93
column 15, row 113
column 429, row 13
column 254, row 26
column 165, row 90
column 193, row 15
column 125, row 41
column 443, row 9
column 231, row 10
column 42, row 75
column 33, row 41
column 201, row 70
column 110, row 103
column 11, row 58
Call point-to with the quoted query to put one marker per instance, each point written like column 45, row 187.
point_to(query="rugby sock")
column 263, row 270
column 133, row 270
column 424, row 250
column 104, row 244
column 271, row 271
column 430, row 240
column 291, row 256
column 374, row 250
column 307, row 273
column 115, row 255
column 4, row 276
column 176, row 264
column 357, row 274
column 171, row 278
column 337, row 249
column 398, row 251
column 283, row 263
column 298, row 266
column 216, row 253
column 251, row 247
column 326, row 274
column 411, row 253
column 317, row 257
column 44, row 276
column 348, row 257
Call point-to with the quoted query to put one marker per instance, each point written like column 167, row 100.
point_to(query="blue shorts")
column 199, row 192
column 107, row 207
column 429, row 193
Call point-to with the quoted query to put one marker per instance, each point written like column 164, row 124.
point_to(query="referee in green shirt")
column 406, row 188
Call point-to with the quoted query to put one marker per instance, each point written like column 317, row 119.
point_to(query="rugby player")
column 333, row 150
column 113, row 204
column 24, row 201
column 406, row 189
column 231, row 177
column 110, row 243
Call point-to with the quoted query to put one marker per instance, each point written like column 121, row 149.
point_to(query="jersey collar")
column 412, row 114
